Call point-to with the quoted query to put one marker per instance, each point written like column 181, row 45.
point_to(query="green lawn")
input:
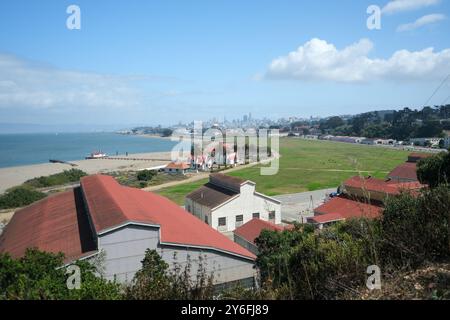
column 177, row 193
column 307, row 165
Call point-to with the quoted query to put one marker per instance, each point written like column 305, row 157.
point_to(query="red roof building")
column 341, row 208
column 102, row 215
column 246, row 234
column 416, row 157
column 378, row 189
column 406, row 172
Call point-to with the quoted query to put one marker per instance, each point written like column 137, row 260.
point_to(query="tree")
column 424, row 218
column 156, row 281
column 334, row 122
column 434, row 170
column 152, row 282
column 166, row 132
column 41, row 275
column 145, row 175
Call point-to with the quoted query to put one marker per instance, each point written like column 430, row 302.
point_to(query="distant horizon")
column 163, row 62
column 20, row 128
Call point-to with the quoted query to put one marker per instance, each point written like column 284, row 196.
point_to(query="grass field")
column 307, row 165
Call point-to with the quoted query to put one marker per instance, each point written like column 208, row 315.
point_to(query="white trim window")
column 272, row 216
column 239, row 220
column 222, row 224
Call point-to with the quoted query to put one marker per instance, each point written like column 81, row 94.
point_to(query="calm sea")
column 24, row 149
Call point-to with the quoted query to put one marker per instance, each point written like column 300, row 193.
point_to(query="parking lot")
column 299, row 206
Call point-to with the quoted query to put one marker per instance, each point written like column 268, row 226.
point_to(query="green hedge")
column 67, row 176
column 19, row 197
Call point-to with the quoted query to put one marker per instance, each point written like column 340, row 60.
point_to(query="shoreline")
column 153, row 136
column 14, row 176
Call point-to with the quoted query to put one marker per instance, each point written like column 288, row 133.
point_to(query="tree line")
column 399, row 125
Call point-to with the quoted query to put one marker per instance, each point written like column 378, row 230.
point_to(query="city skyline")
column 164, row 62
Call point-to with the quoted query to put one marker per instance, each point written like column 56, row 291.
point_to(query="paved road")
column 296, row 206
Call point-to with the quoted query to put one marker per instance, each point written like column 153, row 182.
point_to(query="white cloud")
column 319, row 60
column 25, row 84
column 422, row 21
column 407, row 5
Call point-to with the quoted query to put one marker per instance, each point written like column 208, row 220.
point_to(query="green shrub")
column 156, row 281
column 416, row 229
column 146, row 175
column 434, row 170
column 19, row 197
column 67, row 176
column 38, row 276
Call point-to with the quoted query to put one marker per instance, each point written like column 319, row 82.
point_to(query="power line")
column 445, row 101
column 437, row 89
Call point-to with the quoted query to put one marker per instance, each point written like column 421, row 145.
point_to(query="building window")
column 239, row 220
column 271, row 215
column 255, row 215
column 222, row 222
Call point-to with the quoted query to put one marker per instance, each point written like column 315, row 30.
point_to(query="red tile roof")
column 340, row 208
column 54, row 224
column 417, row 156
column 379, row 185
column 252, row 229
column 407, row 171
column 178, row 165
column 111, row 205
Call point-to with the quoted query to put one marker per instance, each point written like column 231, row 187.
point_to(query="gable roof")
column 117, row 205
column 252, row 229
column 226, row 181
column 54, row 224
column 407, row 170
column 379, row 185
column 178, row 165
column 415, row 156
column 211, row 196
column 341, row 208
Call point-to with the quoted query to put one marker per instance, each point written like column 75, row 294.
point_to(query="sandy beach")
column 13, row 176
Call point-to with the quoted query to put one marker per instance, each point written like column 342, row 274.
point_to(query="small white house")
column 177, row 168
column 226, row 202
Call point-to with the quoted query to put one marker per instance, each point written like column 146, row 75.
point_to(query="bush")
column 146, row 175
column 434, row 170
column 303, row 264
column 155, row 281
column 19, row 197
column 416, row 229
column 67, row 176
column 39, row 276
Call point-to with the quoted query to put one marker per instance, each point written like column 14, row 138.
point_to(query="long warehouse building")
column 122, row 222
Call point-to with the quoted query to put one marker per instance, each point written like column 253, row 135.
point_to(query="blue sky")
column 155, row 62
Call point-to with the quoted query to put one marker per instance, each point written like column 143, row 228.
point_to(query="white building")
column 447, row 140
column 384, row 142
column 177, row 168
column 432, row 142
column 226, row 202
